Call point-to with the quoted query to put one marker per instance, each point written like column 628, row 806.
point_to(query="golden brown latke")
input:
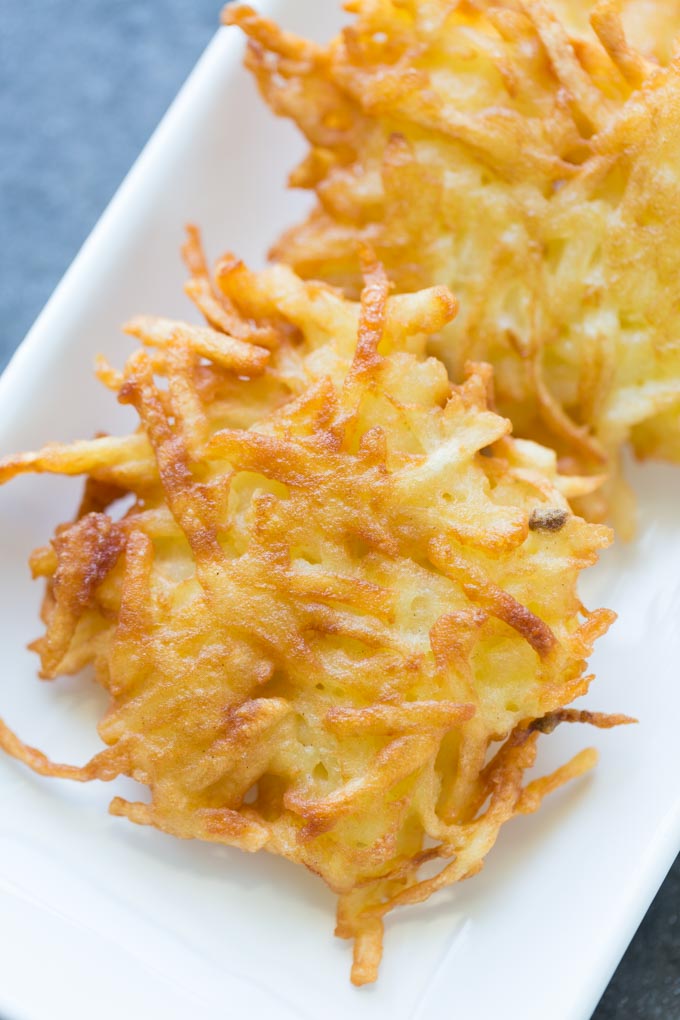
column 477, row 145
column 343, row 603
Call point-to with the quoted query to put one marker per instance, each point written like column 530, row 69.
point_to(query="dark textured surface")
column 82, row 85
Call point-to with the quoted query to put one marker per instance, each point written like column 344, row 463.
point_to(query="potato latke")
column 536, row 174
column 342, row 605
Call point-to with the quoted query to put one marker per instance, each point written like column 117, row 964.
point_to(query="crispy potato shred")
column 342, row 604
column 526, row 154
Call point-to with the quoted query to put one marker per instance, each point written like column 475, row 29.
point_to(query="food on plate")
column 340, row 603
column 537, row 174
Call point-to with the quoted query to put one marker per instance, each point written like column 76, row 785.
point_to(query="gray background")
column 82, row 85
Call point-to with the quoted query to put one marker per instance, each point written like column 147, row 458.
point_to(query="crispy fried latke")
column 343, row 604
column 479, row 146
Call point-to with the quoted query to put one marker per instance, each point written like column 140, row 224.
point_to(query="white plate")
column 100, row 918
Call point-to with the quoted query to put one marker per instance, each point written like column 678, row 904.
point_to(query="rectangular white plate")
column 100, row 918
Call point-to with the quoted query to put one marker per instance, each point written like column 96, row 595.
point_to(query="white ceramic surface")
column 100, row 918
